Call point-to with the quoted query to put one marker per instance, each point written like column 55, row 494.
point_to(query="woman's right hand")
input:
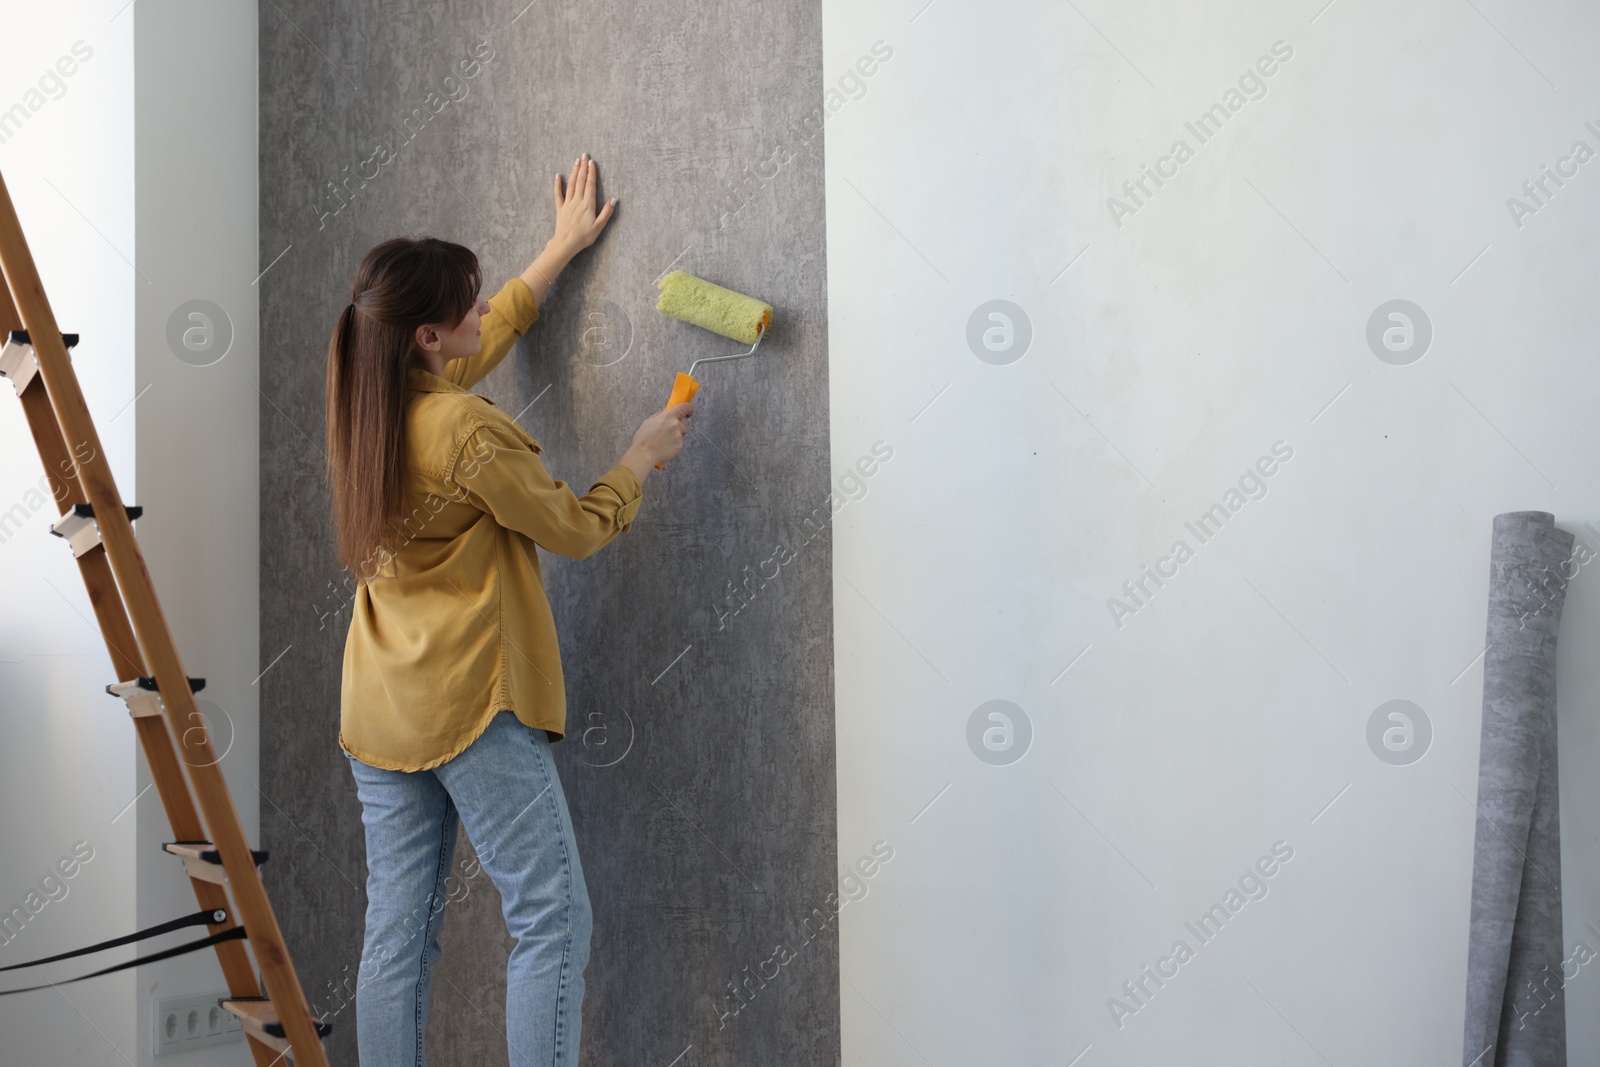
column 659, row 438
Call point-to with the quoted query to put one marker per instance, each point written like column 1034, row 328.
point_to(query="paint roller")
column 711, row 307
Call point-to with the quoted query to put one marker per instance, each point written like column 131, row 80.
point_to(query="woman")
column 452, row 689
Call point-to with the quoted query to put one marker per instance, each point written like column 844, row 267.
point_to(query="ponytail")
column 400, row 285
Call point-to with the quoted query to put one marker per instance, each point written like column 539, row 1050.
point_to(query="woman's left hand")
column 577, row 225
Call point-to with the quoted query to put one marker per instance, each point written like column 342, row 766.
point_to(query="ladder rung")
column 19, row 362
column 143, row 697
column 202, row 861
column 260, row 1020
column 141, row 702
column 80, row 529
column 21, row 338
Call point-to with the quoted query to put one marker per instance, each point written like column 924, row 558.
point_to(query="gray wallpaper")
column 699, row 760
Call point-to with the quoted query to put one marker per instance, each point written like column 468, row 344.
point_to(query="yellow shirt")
column 459, row 626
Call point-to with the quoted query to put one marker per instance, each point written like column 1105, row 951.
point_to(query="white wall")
column 67, row 750
column 1227, row 313
column 124, row 236
column 199, row 440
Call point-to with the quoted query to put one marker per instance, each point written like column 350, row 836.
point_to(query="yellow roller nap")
column 711, row 307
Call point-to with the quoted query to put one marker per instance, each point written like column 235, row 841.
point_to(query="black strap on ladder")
column 206, row 917
column 232, row 934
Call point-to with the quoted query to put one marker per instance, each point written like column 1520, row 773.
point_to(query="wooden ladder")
column 99, row 529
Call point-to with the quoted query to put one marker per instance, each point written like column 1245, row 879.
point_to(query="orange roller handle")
column 683, row 389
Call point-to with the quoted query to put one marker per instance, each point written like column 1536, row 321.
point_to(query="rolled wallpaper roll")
column 1516, row 1010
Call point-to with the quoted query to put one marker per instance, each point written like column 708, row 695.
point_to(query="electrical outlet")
column 183, row 1023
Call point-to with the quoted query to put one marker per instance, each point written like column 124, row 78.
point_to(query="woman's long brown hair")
column 401, row 284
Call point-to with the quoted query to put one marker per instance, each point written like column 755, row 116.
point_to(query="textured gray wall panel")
column 703, row 790
column 1516, row 944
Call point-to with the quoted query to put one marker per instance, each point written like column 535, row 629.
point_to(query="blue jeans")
column 504, row 787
